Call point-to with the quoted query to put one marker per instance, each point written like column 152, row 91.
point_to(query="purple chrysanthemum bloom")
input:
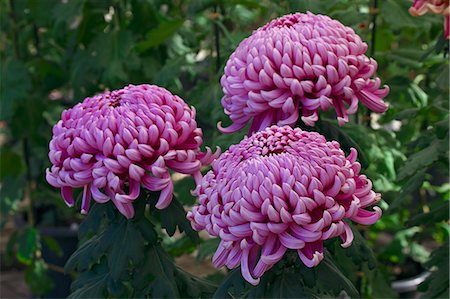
column 280, row 189
column 298, row 62
column 113, row 142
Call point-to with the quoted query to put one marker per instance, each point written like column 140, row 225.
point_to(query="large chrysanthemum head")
column 280, row 189
column 299, row 62
column 421, row 7
column 113, row 142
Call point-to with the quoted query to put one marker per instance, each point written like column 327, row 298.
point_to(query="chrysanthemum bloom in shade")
column 299, row 62
column 421, row 7
column 113, row 142
column 281, row 189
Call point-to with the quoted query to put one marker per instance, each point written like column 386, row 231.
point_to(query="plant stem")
column 217, row 42
column 55, row 268
column 36, row 37
column 26, row 151
column 28, row 197
column 373, row 11
column 15, row 36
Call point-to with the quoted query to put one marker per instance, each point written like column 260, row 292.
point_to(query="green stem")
column 15, row 35
column 217, row 42
column 373, row 10
column 28, row 183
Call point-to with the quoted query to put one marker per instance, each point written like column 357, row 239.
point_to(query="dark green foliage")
column 37, row 278
column 55, row 53
column 436, row 285
column 290, row 279
column 173, row 217
column 123, row 258
column 233, row 284
column 207, row 248
column 27, row 246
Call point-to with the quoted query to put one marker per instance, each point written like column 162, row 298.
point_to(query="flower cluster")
column 421, row 7
column 298, row 62
column 112, row 143
column 281, row 189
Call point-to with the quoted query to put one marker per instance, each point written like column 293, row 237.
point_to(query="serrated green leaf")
column 234, row 284
column 92, row 223
column 92, row 283
column 287, row 285
column 86, row 255
column 333, row 279
column 437, row 214
column 420, row 160
column 182, row 190
column 437, row 284
column 158, row 276
column 173, row 217
column 127, row 247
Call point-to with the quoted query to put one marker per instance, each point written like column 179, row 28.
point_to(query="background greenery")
column 56, row 53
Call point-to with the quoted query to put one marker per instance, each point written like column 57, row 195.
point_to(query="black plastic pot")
column 67, row 238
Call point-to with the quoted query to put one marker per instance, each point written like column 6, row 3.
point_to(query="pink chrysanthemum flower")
column 281, row 189
column 421, row 7
column 113, row 142
column 298, row 62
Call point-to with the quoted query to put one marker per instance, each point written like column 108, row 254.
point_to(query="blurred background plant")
column 56, row 53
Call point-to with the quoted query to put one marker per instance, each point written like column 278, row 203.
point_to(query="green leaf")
column 9, row 250
column 12, row 163
column 52, row 245
column 287, row 285
column 207, row 248
column 182, row 190
column 110, row 53
column 168, row 74
column 127, row 246
column 88, row 254
column 157, row 276
column 407, row 114
column 420, row 160
column 118, row 238
column 92, row 224
column 92, row 283
column 437, row 214
column 357, row 254
column 15, row 85
column 331, row 278
column 68, row 12
column 396, row 13
column 173, row 217
column 36, row 277
column 27, row 246
column 437, row 284
column 11, row 193
column 234, row 284
column 159, row 35
column 347, row 136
